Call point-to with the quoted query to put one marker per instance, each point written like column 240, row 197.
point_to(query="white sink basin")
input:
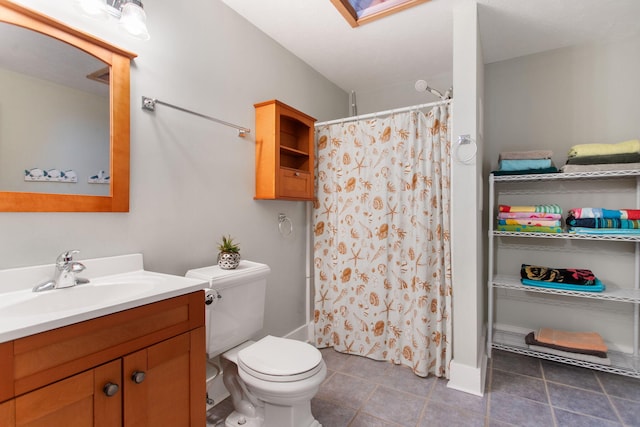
column 97, row 292
column 24, row 312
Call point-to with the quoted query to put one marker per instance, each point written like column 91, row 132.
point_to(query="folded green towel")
column 604, row 159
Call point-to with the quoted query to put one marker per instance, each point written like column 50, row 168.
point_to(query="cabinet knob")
column 138, row 376
column 296, row 173
column 110, row 389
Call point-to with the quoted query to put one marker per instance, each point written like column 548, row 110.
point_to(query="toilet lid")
column 280, row 357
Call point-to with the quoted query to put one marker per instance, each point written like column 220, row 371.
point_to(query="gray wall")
column 556, row 99
column 192, row 180
column 401, row 94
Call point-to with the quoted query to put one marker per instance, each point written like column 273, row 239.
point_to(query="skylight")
column 358, row 12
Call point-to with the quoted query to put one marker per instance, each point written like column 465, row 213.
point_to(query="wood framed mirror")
column 118, row 63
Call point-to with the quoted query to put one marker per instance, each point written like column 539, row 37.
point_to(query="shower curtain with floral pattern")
column 381, row 239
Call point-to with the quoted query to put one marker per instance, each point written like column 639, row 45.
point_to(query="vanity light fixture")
column 130, row 14
column 133, row 19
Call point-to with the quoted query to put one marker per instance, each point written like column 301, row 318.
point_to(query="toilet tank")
column 237, row 310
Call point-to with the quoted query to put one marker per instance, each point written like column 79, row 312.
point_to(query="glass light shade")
column 134, row 21
column 93, row 8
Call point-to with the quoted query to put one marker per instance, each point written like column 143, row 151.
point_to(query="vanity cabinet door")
column 8, row 413
column 107, row 405
column 164, row 384
column 80, row 400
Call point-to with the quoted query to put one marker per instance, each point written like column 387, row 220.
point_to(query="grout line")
column 615, row 409
column 364, row 402
column 427, row 398
column 546, row 390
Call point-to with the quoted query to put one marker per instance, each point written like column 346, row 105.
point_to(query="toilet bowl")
column 271, row 381
column 278, row 377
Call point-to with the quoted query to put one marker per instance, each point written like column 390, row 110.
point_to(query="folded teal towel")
column 552, row 169
column 524, row 164
column 604, row 231
column 598, row 287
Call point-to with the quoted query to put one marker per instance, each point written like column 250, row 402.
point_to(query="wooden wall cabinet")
column 139, row 367
column 284, row 152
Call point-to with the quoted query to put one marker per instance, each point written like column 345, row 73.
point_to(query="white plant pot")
column 228, row 260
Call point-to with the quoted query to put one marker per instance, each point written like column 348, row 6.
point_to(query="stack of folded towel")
column 525, row 162
column 603, row 221
column 586, row 346
column 601, row 157
column 570, row 279
column 535, row 218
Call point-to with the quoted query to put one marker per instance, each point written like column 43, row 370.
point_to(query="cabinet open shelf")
column 294, row 135
column 288, row 151
column 294, row 159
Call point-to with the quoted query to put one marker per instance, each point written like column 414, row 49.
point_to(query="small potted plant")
column 229, row 255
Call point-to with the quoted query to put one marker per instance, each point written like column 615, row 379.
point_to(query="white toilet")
column 271, row 381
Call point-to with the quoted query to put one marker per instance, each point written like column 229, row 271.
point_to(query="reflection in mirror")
column 54, row 135
column 62, row 143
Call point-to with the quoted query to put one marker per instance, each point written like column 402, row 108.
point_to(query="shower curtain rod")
column 384, row 113
column 150, row 104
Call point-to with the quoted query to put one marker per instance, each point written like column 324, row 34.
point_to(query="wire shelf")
column 627, row 364
column 567, row 176
column 610, row 294
column 621, row 363
column 570, row 236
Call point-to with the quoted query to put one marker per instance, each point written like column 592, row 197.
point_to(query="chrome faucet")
column 66, row 269
column 65, row 273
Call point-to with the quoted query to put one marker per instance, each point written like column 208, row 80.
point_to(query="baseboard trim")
column 470, row 379
column 467, row 378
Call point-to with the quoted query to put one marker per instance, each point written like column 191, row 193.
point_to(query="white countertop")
column 116, row 284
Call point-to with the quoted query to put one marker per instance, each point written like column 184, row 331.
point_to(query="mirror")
column 56, row 163
column 54, row 137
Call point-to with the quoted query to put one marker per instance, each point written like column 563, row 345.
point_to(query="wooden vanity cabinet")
column 284, row 152
column 139, row 367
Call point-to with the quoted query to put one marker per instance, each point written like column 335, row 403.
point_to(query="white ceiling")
column 417, row 43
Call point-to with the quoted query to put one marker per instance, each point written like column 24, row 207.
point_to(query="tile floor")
column 521, row 391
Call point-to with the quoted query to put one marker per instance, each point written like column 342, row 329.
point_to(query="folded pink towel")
column 524, row 215
column 531, row 221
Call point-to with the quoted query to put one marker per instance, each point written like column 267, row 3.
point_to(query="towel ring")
column 285, row 226
column 465, row 140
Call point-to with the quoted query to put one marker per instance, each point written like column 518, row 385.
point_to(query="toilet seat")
column 280, row 360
